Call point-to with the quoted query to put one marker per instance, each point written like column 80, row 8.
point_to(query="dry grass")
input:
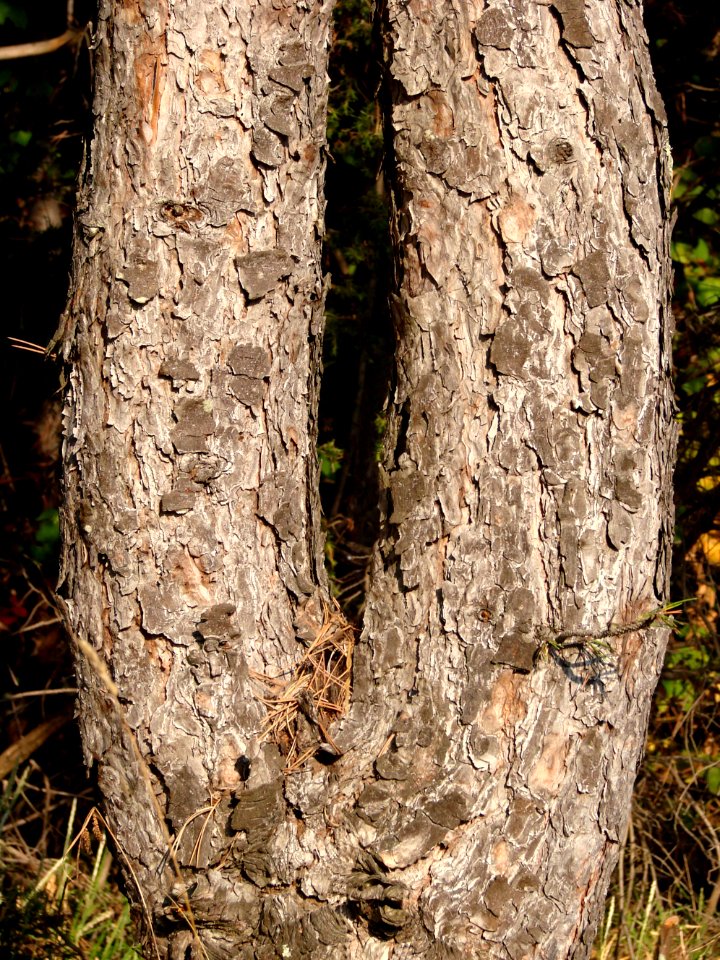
column 64, row 907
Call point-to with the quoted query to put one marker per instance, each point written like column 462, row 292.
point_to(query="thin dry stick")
column 25, row 344
column 36, row 626
column 39, row 47
column 39, row 693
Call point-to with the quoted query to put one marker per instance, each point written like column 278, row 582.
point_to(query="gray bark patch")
column 260, row 272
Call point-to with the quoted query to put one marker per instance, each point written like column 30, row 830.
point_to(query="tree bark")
column 528, row 460
column 472, row 800
column 191, row 519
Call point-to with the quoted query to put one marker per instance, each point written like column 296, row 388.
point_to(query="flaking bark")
column 528, row 463
column 191, row 516
column 472, row 802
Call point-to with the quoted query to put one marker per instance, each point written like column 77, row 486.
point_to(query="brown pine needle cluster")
column 301, row 710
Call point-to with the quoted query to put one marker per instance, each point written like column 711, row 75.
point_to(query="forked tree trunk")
column 472, row 800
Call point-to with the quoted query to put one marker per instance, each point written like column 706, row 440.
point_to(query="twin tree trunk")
column 467, row 796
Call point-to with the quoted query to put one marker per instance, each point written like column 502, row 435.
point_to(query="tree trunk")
column 472, row 800
column 528, row 461
column 191, row 517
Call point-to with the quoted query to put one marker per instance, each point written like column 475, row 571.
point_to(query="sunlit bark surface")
column 471, row 801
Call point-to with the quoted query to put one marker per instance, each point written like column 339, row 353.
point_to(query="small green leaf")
column 694, row 385
column 707, row 215
column 16, row 16
column 21, row 137
column 681, row 252
column 673, row 688
column 712, row 779
column 47, row 535
column 708, row 291
column 687, row 186
column 330, row 457
column 701, row 251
